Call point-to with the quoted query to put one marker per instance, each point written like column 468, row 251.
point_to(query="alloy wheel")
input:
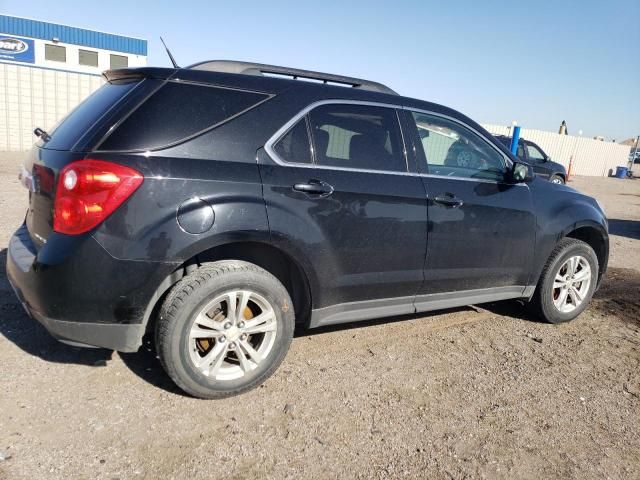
column 232, row 335
column 571, row 284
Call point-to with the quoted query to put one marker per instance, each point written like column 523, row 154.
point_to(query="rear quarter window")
column 176, row 112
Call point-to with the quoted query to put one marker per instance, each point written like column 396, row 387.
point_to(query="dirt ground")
column 484, row 392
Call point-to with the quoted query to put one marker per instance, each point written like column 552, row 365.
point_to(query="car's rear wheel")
column 567, row 282
column 224, row 329
column 557, row 179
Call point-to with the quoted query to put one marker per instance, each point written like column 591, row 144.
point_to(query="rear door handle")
column 448, row 200
column 314, row 187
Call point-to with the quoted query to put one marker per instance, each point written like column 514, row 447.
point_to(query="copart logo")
column 13, row 45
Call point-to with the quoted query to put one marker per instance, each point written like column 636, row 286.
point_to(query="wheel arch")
column 594, row 235
column 283, row 265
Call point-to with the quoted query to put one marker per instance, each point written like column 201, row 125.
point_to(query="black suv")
column 541, row 163
column 217, row 206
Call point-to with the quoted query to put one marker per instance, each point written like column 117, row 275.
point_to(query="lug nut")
column 227, row 325
column 222, row 339
column 243, row 336
column 241, row 325
column 232, row 345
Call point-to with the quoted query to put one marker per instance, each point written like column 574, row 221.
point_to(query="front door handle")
column 448, row 200
column 314, row 187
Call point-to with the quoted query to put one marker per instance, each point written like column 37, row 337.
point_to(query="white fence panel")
column 33, row 97
column 590, row 157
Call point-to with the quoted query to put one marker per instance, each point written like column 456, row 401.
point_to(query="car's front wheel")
column 557, row 179
column 224, row 329
column 567, row 282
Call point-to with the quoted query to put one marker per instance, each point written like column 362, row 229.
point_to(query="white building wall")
column 590, row 157
column 33, row 97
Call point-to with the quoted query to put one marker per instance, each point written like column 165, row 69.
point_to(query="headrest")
column 367, row 144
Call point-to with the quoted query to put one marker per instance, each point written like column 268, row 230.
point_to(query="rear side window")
column 177, row 111
column 67, row 133
column 294, row 146
column 357, row 136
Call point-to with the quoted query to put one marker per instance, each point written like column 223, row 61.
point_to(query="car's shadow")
column 32, row 338
column 625, row 228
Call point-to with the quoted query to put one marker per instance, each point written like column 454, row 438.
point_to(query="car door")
column 352, row 208
column 481, row 228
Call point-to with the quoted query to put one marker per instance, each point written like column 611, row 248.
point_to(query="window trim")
column 282, row 131
column 536, row 147
column 312, row 148
column 506, row 161
column 115, row 126
column 268, row 146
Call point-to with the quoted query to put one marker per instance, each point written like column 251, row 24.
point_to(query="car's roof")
column 277, row 85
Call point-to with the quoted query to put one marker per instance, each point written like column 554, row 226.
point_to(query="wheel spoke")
column 232, row 299
column 255, row 356
column 558, row 284
column 573, row 264
column 205, row 321
column 244, row 300
column 245, row 365
column 265, row 322
column 576, row 296
column 562, row 298
column 213, row 359
column 569, row 264
column 582, row 275
column 197, row 332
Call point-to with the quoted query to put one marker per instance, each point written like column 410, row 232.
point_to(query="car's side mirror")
column 521, row 172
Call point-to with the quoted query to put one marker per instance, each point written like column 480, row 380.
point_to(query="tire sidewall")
column 266, row 286
column 549, row 310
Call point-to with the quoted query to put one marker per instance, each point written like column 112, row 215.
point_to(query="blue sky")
column 535, row 62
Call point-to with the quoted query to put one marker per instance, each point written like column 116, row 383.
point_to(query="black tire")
column 189, row 296
column 557, row 179
column 542, row 300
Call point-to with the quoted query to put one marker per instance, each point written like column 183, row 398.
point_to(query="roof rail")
column 249, row 68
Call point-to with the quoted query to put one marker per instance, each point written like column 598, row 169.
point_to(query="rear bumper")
column 81, row 294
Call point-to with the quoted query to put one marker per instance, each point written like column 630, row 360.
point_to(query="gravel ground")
column 467, row 393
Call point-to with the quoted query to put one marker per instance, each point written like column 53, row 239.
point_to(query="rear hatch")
column 70, row 140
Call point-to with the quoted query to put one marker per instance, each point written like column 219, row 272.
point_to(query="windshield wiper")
column 42, row 134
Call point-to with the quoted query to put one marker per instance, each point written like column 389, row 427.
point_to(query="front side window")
column 55, row 53
column 455, row 151
column 535, row 154
column 294, row 146
column 118, row 61
column 357, row 136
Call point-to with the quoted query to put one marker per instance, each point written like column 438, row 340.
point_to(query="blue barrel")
column 621, row 172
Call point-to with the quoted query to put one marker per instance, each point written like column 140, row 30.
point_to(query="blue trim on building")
column 77, row 36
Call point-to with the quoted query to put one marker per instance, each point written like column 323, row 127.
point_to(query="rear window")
column 71, row 128
column 178, row 111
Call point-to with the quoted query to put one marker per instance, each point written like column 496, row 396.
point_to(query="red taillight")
column 89, row 191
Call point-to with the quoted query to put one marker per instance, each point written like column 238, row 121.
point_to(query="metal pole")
column 514, row 139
